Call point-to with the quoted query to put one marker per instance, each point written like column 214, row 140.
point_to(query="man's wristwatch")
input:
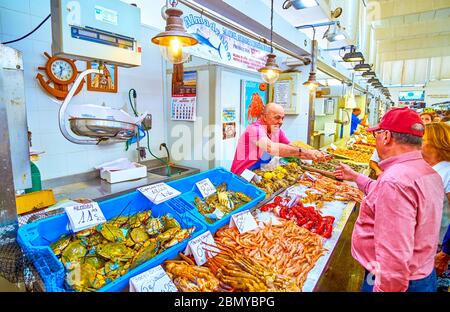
column 300, row 150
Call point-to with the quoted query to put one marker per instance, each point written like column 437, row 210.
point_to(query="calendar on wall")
column 184, row 98
column 183, row 108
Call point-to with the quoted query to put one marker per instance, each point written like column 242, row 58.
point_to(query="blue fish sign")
column 206, row 42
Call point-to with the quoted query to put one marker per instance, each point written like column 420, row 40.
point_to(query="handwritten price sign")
column 153, row 280
column 243, row 221
column 84, row 216
column 158, row 193
column 201, row 247
column 248, row 175
column 206, row 187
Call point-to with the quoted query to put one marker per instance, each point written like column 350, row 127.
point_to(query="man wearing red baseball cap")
column 396, row 234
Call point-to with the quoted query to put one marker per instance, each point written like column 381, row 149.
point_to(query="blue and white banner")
column 222, row 45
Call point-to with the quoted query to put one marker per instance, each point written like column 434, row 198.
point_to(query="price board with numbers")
column 153, row 280
column 206, row 187
column 243, row 221
column 84, row 216
column 201, row 247
column 158, row 193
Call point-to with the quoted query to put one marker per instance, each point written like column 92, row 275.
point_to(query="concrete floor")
column 6, row 286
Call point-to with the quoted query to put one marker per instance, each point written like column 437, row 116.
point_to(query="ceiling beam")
column 412, row 30
column 379, row 10
column 414, row 54
column 413, row 44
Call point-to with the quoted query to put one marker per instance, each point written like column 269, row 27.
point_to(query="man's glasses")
column 376, row 132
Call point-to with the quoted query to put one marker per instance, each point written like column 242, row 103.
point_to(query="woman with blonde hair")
column 436, row 151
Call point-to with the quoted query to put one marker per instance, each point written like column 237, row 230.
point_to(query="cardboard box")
column 140, row 171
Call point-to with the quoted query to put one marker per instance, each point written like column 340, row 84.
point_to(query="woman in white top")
column 436, row 151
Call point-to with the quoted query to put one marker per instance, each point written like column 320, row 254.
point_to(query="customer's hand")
column 441, row 262
column 314, row 155
column 345, row 172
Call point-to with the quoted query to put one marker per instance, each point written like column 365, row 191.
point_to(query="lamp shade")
column 270, row 72
column 353, row 56
column 311, row 83
column 369, row 74
column 174, row 38
column 362, row 67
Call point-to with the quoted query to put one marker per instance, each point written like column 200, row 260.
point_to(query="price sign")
column 84, row 216
column 201, row 247
column 158, row 193
column 248, row 175
column 334, row 147
column 206, row 187
column 153, row 280
column 243, row 221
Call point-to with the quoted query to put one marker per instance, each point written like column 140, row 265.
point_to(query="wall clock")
column 60, row 72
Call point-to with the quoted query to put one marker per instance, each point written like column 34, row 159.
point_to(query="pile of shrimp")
column 286, row 249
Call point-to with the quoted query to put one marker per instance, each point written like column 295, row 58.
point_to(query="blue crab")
column 111, row 232
column 59, row 245
column 72, row 254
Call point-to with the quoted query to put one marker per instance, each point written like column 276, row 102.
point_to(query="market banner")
column 222, row 45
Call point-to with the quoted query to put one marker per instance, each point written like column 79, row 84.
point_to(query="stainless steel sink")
column 171, row 171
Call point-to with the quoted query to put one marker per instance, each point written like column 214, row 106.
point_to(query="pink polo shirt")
column 396, row 233
column 247, row 153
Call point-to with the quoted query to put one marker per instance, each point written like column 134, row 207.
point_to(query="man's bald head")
column 273, row 108
column 273, row 116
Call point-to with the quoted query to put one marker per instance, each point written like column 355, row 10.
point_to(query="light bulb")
column 175, row 52
column 270, row 76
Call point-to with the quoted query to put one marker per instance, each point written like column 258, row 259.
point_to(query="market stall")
column 133, row 234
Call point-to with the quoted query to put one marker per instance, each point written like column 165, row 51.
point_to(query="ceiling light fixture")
column 174, row 39
column 270, row 72
column 312, row 83
column 362, row 67
column 369, row 74
column 353, row 56
column 334, row 32
column 299, row 4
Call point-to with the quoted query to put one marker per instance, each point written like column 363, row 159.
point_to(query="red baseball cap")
column 401, row 120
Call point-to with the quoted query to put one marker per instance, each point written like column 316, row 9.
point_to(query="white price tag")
column 158, row 193
column 201, row 247
column 153, row 280
column 243, row 221
column 206, row 187
column 84, row 216
column 248, row 175
column 334, row 147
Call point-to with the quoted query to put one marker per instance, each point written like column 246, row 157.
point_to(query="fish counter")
column 212, row 231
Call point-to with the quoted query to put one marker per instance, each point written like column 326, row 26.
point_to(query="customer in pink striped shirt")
column 396, row 234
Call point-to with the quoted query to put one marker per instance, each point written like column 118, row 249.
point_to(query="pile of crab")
column 221, row 203
column 99, row 255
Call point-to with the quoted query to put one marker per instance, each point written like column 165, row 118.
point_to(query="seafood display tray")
column 35, row 238
column 185, row 202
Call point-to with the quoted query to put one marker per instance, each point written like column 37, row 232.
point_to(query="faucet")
column 167, row 151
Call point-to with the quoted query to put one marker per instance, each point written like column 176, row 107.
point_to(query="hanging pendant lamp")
column 270, row 72
column 174, row 40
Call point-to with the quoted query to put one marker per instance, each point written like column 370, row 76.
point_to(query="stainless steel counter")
column 90, row 186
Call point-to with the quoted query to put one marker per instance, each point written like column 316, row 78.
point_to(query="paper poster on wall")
column 228, row 114
column 253, row 100
column 282, row 93
column 228, row 130
column 189, row 86
column 184, row 98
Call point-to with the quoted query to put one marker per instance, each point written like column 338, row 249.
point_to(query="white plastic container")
column 114, row 176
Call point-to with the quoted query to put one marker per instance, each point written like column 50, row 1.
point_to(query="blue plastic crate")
column 185, row 202
column 36, row 237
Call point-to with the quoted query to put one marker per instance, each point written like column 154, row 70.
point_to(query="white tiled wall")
column 61, row 158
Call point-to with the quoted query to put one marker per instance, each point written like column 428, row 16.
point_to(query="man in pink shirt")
column 396, row 234
column 263, row 139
